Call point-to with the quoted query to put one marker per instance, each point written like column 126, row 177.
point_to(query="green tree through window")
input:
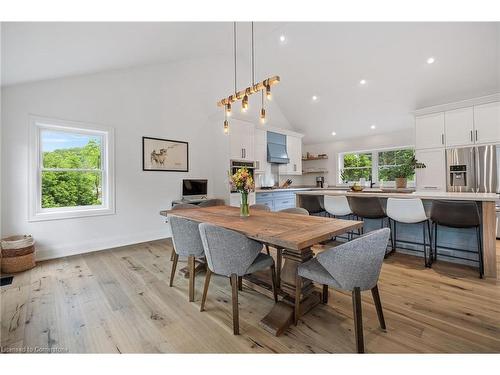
column 71, row 174
column 357, row 166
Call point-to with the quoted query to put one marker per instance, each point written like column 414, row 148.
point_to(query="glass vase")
column 244, row 210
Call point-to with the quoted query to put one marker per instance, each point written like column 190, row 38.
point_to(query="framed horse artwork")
column 164, row 155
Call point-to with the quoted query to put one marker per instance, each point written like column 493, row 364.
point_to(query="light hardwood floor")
column 119, row 301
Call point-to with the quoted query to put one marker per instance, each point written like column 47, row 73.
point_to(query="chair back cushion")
column 357, row 263
column 186, row 236
column 406, row 210
column 457, row 214
column 227, row 251
column 368, row 207
column 337, row 205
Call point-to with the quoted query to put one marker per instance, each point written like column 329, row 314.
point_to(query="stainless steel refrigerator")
column 474, row 169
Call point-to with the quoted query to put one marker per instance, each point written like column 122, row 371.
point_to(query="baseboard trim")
column 46, row 252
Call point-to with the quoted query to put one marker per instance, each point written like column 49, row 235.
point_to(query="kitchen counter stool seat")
column 338, row 206
column 409, row 211
column 368, row 208
column 458, row 214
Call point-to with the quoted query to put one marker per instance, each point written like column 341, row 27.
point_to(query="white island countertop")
column 481, row 197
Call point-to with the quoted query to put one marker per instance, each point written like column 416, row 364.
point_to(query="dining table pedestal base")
column 281, row 315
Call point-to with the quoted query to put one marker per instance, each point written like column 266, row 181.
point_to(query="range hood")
column 276, row 148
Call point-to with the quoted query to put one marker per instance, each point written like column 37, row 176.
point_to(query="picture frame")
column 164, row 155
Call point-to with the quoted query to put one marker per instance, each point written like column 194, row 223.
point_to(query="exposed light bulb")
column 263, row 116
column 269, row 96
column 431, row 60
column 228, row 109
column 226, row 127
column 244, row 103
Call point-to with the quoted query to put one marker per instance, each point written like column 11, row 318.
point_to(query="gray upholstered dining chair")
column 295, row 210
column 353, row 266
column 212, row 202
column 232, row 254
column 181, row 206
column 187, row 243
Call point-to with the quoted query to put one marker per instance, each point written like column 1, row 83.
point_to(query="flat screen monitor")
column 194, row 188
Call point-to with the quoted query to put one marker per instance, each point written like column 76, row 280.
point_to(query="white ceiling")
column 323, row 59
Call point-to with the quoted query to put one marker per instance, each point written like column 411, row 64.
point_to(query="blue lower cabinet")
column 276, row 201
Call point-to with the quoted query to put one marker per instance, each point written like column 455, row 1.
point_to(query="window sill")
column 70, row 214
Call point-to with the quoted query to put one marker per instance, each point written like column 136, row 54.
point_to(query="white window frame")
column 36, row 212
column 375, row 165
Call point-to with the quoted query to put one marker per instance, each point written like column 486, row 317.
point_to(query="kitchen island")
column 454, row 244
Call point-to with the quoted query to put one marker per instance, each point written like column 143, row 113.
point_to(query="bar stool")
column 409, row 211
column 368, row 208
column 457, row 214
column 338, row 206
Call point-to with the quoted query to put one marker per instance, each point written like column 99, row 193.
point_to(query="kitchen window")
column 72, row 170
column 377, row 165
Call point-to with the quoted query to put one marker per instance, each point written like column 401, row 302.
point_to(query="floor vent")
column 6, row 280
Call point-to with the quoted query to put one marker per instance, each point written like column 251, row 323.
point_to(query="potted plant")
column 406, row 169
column 242, row 182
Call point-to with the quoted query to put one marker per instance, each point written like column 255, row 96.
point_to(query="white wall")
column 332, row 149
column 174, row 101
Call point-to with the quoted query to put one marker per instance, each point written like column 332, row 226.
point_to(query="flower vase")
column 244, row 210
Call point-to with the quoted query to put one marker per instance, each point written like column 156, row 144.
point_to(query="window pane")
column 357, row 160
column 71, row 189
column 356, row 174
column 70, row 150
column 394, row 164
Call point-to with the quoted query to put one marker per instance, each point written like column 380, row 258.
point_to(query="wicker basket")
column 18, row 254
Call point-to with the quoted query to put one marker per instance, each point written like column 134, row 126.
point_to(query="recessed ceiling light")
column 282, row 38
column 431, row 60
column 333, row 133
column 314, row 98
column 362, row 82
column 373, row 126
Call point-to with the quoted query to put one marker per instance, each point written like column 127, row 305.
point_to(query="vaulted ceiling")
column 326, row 60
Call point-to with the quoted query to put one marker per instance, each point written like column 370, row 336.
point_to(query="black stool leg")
column 426, row 261
column 480, row 252
column 431, row 251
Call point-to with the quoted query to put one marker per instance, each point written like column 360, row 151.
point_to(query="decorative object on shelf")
column 243, row 95
column 243, row 182
column 17, row 254
column 319, row 157
column 164, row 155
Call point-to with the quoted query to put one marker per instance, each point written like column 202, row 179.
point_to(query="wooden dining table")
column 292, row 235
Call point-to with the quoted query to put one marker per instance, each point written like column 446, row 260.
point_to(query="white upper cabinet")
column 487, row 123
column 459, row 127
column 241, row 139
column 429, row 131
column 294, row 149
column 433, row 177
column 260, row 150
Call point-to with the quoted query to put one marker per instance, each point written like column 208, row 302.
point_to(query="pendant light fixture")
column 262, row 110
column 254, row 88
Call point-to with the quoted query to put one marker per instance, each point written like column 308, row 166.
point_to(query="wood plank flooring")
column 119, row 301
